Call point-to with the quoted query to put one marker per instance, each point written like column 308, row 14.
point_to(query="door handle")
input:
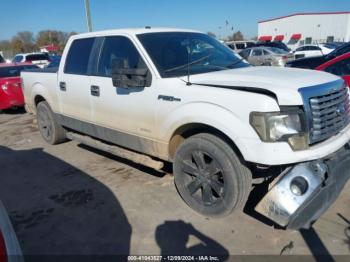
column 63, row 86
column 95, row 90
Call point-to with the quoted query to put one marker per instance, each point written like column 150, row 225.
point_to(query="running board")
column 117, row 151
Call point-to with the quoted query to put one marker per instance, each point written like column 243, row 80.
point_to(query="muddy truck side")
column 181, row 96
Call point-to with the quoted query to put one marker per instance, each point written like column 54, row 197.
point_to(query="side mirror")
column 130, row 77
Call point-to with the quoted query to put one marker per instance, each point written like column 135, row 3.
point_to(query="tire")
column 210, row 177
column 50, row 130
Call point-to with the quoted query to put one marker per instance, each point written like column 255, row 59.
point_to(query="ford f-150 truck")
column 183, row 97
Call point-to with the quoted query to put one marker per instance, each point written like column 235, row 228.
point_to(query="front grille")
column 327, row 108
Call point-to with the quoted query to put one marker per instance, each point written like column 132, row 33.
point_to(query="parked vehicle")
column 54, row 61
column 11, row 94
column 276, row 44
column 266, row 56
column 339, row 66
column 39, row 59
column 312, row 50
column 182, row 96
column 240, row 45
column 313, row 62
column 10, row 250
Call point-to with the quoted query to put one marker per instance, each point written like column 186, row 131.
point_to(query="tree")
column 17, row 45
column 238, row 36
column 48, row 37
column 211, row 34
column 23, row 41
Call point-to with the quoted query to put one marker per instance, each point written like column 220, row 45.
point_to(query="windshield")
column 172, row 52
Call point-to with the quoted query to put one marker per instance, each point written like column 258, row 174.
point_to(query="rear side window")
column 257, row 52
column 78, row 56
column 37, row 57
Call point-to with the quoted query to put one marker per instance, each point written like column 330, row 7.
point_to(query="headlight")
column 288, row 126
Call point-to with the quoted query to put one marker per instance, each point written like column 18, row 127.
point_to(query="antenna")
column 189, row 53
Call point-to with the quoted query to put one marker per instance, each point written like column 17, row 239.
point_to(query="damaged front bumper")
column 305, row 191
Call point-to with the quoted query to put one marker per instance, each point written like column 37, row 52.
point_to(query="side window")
column 266, row 52
column 314, row 48
column 18, row 59
column 340, row 68
column 118, row 50
column 257, row 52
column 77, row 60
column 300, row 49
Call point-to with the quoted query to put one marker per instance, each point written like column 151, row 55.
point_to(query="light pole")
column 88, row 15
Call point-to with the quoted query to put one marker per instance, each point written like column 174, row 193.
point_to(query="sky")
column 203, row 15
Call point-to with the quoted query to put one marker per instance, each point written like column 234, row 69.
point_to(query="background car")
column 312, row 50
column 39, row 59
column 11, row 94
column 339, row 66
column 10, row 250
column 240, row 45
column 276, row 44
column 54, row 61
column 315, row 61
column 268, row 56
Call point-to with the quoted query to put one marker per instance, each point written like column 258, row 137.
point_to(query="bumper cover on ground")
column 317, row 202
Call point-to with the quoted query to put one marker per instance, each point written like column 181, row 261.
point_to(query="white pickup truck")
column 183, row 97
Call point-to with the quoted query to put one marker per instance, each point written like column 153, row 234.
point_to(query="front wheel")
column 50, row 130
column 210, row 177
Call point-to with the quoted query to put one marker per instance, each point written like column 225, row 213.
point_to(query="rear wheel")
column 210, row 177
column 50, row 130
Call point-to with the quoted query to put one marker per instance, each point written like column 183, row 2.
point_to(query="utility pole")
column 88, row 15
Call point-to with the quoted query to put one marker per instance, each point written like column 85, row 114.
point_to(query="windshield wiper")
column 188, row 64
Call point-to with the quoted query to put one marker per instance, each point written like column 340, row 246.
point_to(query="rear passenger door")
column 74, row 81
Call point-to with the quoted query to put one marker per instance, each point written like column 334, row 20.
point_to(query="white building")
column 306, row 28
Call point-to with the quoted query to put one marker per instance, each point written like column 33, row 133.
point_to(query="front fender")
column 212, row 115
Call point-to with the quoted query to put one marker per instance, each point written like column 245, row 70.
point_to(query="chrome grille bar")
column 328, row 109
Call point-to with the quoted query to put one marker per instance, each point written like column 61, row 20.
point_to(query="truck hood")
column 284, row 83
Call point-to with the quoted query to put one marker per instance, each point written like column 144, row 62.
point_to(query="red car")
column 339, row 66
column 11, row 94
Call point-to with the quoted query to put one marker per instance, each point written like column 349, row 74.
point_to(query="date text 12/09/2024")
column 174, row 258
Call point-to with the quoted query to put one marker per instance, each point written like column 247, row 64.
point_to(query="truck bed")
column 40, row 81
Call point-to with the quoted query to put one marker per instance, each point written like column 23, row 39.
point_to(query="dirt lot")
column 72, row 199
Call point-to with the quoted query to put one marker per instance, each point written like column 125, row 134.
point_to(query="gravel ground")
column 71, row 199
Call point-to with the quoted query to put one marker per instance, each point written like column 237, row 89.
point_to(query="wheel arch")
column 191, row 129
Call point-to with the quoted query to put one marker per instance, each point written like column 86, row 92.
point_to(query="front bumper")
column 326, row 178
